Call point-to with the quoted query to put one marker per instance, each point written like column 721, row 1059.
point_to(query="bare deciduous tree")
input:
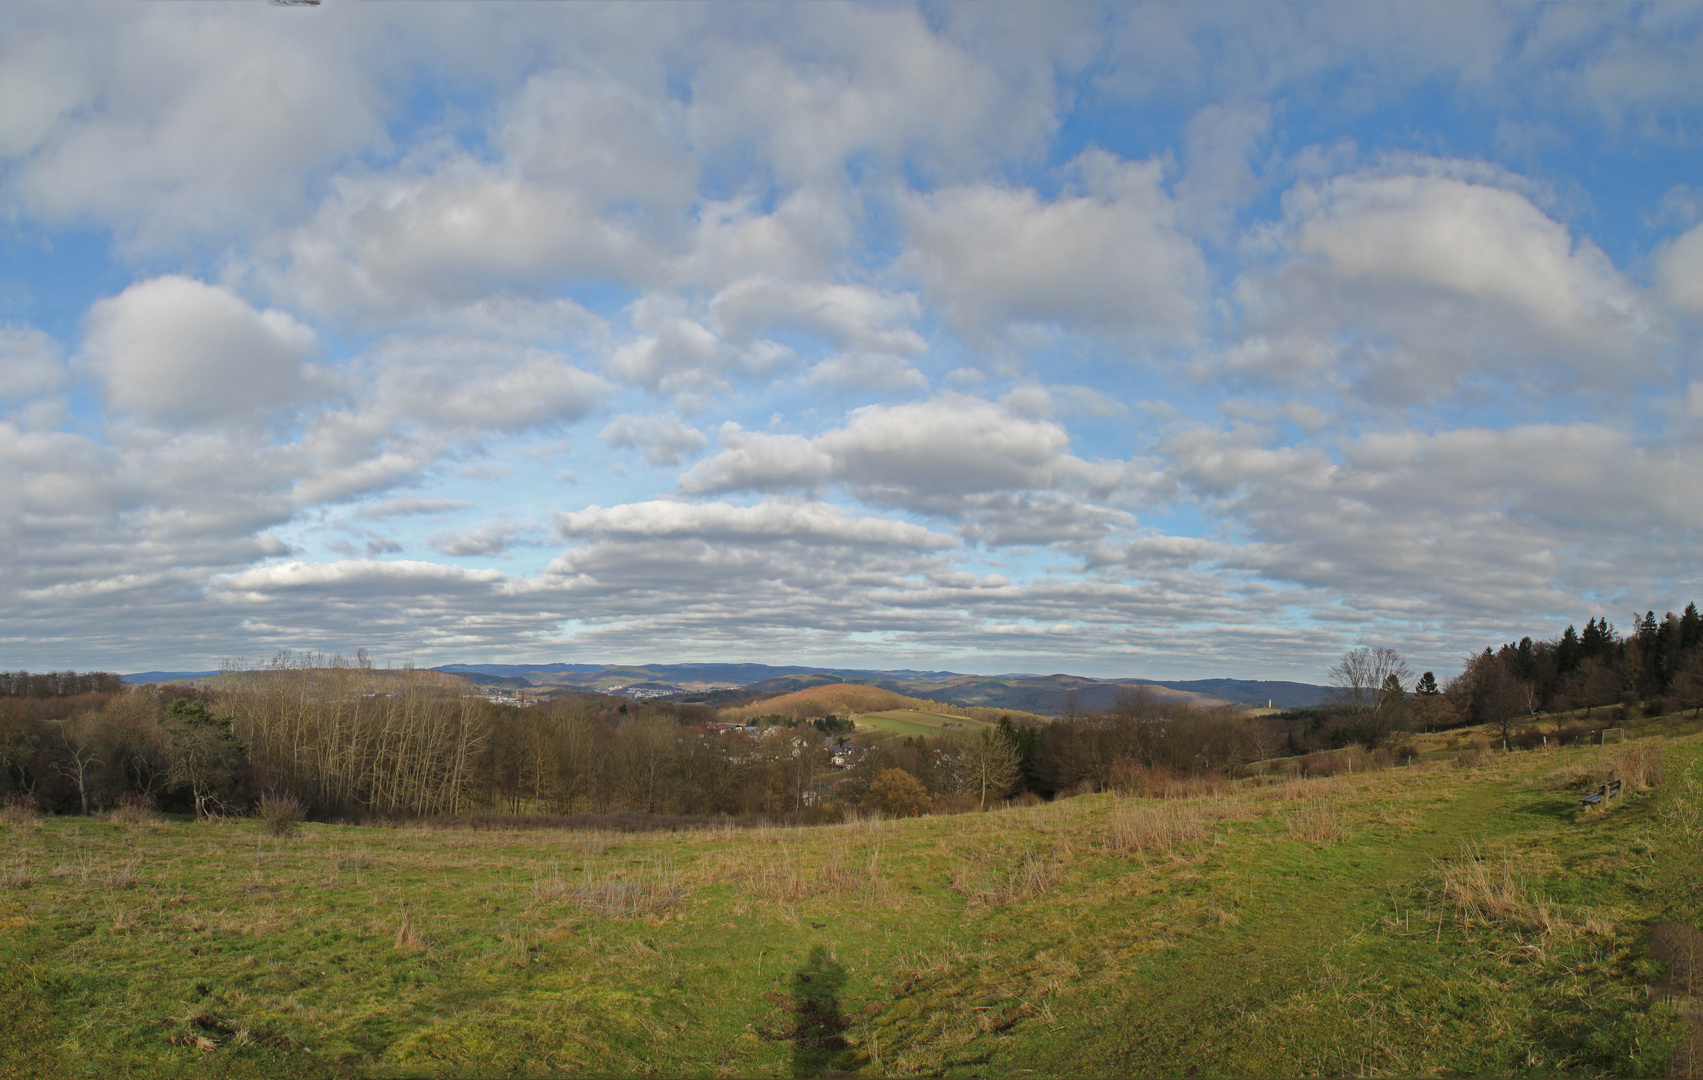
column 1369, row 683
column 988, row 766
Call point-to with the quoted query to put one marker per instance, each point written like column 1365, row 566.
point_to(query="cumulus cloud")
column 1407, row 285
column 1107, row 258
column 492, row 538
column 872, row 83
column 1005, row 478
column 852, row 316
column 31, row 363
column 1471, row 520
column 170, row 126
column 801, row 522
column 406, row 505
column 820, row 214
column 1679, row 267
column 867, row 371
column 660, row 440
column 176, row 349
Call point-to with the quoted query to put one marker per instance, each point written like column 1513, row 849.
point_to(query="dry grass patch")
column 135, row 812
column 408, row 939
column 20, row 812
column 1682, row 805
column 630, row 891
column 1158, row 829
column 1031, row 873
column 1321, row 821
column 1640, row 768
column 1485, row 892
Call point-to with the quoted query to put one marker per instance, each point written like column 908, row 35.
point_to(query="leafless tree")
column 988, row 766
column 78, row 759
column 1370, row 683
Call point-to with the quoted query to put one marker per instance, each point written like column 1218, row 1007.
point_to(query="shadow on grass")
column 817, row 1042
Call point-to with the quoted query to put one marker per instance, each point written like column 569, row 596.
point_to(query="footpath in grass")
column 1468, row 921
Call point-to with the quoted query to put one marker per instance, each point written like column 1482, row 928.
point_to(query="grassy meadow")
column 917, row 722
column 1460, row 917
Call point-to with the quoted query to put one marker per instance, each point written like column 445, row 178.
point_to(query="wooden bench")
column 1610, row 790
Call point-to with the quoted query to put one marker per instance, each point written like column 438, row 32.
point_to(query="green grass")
column 1304, row 927
column 917, row 722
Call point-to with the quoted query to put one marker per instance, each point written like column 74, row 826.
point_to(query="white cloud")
column 450, row 233
column 175, row 349
column 867, row 371
column 1469, row 522
column 407, row 505
column 868, row 83
column 1107, row 259
column 1679, row 268
column 1004, row 478
column 171, row 125
column 852, row 316
column 661, row 440
column 1407, row 285
column 491, row 539
column 612, row 145
column 31, row 363
column 801, row 522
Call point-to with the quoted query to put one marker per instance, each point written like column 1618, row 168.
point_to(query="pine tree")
column 1691, row 627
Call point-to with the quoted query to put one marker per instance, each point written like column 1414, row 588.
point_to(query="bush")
column 279, row 814
column 20, row 810
column 897, row 793
column 134, row 809
column 1640, row 768
column 1321, row 763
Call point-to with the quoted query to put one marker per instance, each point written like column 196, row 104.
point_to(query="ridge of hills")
column 715, row 684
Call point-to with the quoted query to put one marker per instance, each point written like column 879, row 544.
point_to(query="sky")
column 1169, row 341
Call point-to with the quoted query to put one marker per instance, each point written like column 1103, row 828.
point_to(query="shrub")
column 897, row 793
column 279, row 814
column 1529, row 739
column 20, row 810
column 134, row 809
column 1321, row 763
column 1469, row 759
column 1640, row 768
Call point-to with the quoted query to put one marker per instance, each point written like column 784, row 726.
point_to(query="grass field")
column 917, row 722
column 1457, row 921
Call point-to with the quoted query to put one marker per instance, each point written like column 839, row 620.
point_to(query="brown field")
column 838, row 699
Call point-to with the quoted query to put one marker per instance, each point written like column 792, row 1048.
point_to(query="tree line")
column 351, row 742
column 49, row 684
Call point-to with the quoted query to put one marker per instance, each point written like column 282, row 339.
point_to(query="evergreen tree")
column 1690, row 627
column 1568, row 651
column 1427, row 684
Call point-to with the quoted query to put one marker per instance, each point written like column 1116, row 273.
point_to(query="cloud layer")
column 1137, row 339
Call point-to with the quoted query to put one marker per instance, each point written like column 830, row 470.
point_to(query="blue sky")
column 1177, row 341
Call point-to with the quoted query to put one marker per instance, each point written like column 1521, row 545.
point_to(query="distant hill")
column 143, row 677
column 1047, row 695
column 1282, row 695
column 832, row 699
